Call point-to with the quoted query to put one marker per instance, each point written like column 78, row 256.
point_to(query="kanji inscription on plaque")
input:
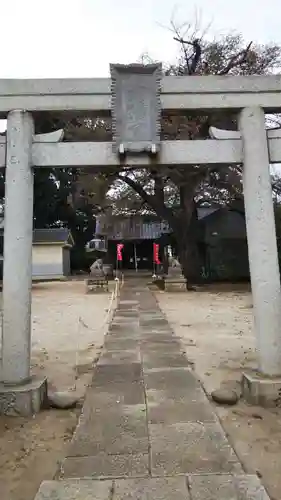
column 136, row 108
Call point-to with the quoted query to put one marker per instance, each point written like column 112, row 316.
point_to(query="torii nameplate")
column 136, row 108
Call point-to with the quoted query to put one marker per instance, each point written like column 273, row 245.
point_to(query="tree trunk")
column 183, row 222
column 189, row 259
column 186, row 233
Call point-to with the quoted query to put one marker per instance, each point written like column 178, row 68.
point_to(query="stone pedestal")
column 261, row 391
column 175, row 281
column 24, row 400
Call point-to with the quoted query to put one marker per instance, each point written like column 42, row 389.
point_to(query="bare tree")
column 173, row 193
column 228, row 55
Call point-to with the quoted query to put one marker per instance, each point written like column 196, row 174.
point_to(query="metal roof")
column 53, row 235
column 139, row 227
column 131, row 228
column 203, row 212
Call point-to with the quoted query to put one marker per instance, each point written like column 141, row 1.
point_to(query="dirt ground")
column 216, row 327
column 68, row 328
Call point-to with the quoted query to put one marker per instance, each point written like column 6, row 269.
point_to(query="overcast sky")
column 79, row 38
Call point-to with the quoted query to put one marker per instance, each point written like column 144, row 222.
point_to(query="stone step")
column 191, row 487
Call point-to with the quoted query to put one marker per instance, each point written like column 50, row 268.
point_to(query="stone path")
column 147, row 430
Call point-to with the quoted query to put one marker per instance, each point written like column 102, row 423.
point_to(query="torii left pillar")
column 20, row 394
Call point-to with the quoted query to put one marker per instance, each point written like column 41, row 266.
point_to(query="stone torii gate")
column 135, row 96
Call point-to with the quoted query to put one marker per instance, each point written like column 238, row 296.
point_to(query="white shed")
column 51, row 253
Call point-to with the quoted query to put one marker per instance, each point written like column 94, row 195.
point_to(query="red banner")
column 120, row 247
column 156, row 253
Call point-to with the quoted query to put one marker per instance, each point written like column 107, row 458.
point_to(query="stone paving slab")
column 156, row 397
column 154, row 315
column 106, row 466
column 150, row 309
column 173, row 380
column 157, row 331
column 128, row 310
column 131, row 313
column 160, row 338
column 177, row 412
column 154, row 359
column 146, row 319
column 125, row 326
column 192, row 487
column 165, row 330
column 226, row 487
column 125, row 329
column 120, row 344
column 191, row 448
column 151, row 489
column 160, row 346
column 122, row 431
column 80, row 489
column 123, row 334
column 117, row 392
column 105, row 374
column 155, row 323
column 147, row 313
column 127, row 302
column 120, row 357
column 110, row 402
column 123, row 317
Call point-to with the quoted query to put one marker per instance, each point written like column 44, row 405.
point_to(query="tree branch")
column 158, row 186
column 195, row 57
column 156, row 203
column 139, row 190
column 236, row 60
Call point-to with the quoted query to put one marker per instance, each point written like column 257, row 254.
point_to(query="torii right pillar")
column 264, row 386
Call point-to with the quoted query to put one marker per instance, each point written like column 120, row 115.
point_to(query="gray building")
column 221, row 236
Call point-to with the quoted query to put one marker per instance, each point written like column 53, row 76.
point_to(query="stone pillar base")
column 23, row 400
column 260, row 390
